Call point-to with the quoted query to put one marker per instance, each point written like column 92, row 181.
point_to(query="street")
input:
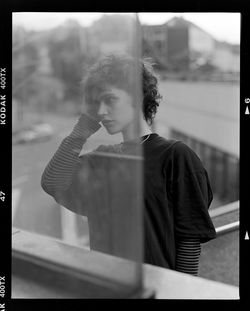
column 32, row 208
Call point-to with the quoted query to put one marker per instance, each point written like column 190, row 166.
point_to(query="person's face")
column 116, row 110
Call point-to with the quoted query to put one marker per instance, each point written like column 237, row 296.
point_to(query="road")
column 32, row 208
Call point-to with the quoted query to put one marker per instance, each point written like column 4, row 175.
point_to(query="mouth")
column 107, row 122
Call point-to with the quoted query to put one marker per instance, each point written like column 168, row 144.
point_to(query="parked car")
column 34, row 133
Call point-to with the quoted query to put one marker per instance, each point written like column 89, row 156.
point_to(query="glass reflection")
column 104, row 184
column 85, row 83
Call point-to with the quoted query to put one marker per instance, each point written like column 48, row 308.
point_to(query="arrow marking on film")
column 246, row 236
column 247, row 111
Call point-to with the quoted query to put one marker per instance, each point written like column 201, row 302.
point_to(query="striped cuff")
column 188, row 255
column 59, row 172
column 85, row 127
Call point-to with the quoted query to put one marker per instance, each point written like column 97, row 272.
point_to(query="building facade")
column 181, row 45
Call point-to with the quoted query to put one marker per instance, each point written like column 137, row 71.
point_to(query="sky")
column 223, row 26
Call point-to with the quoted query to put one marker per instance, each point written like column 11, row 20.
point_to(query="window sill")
column 44, row 268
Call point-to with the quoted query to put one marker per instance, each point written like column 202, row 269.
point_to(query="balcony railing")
column 221, row 211
column 222, row 166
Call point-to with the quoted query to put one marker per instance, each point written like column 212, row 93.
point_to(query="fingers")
column 91, row 111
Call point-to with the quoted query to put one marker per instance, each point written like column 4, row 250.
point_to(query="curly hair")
column 120, row 71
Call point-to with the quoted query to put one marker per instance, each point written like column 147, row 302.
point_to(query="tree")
column 67, row 57
column 25, row 63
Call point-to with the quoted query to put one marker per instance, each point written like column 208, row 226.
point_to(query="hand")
column 86, row 126
column 91, row 111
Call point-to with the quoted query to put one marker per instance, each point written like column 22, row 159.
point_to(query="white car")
column 36, row 132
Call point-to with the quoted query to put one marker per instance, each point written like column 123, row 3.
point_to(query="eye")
column 96, row 102
column 109, row 100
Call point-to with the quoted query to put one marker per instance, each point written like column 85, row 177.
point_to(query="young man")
column 177, row 192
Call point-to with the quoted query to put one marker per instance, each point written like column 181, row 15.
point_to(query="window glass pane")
column 77, row 160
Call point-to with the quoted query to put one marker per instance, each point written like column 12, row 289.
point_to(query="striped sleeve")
column 58, row 174
column 188, row 255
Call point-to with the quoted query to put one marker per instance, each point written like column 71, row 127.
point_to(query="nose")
column 102, row 109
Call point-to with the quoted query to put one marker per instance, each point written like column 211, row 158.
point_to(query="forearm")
column 188, row 255
column 58, row 174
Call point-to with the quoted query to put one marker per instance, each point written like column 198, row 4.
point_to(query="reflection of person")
column 177, row 190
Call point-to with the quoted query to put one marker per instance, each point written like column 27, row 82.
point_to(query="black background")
column 6, row 9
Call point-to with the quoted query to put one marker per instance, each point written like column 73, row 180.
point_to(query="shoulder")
column 159, row 143
column 180, row 149
column 172, row 152
column 182, row 158
column 177, row 148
